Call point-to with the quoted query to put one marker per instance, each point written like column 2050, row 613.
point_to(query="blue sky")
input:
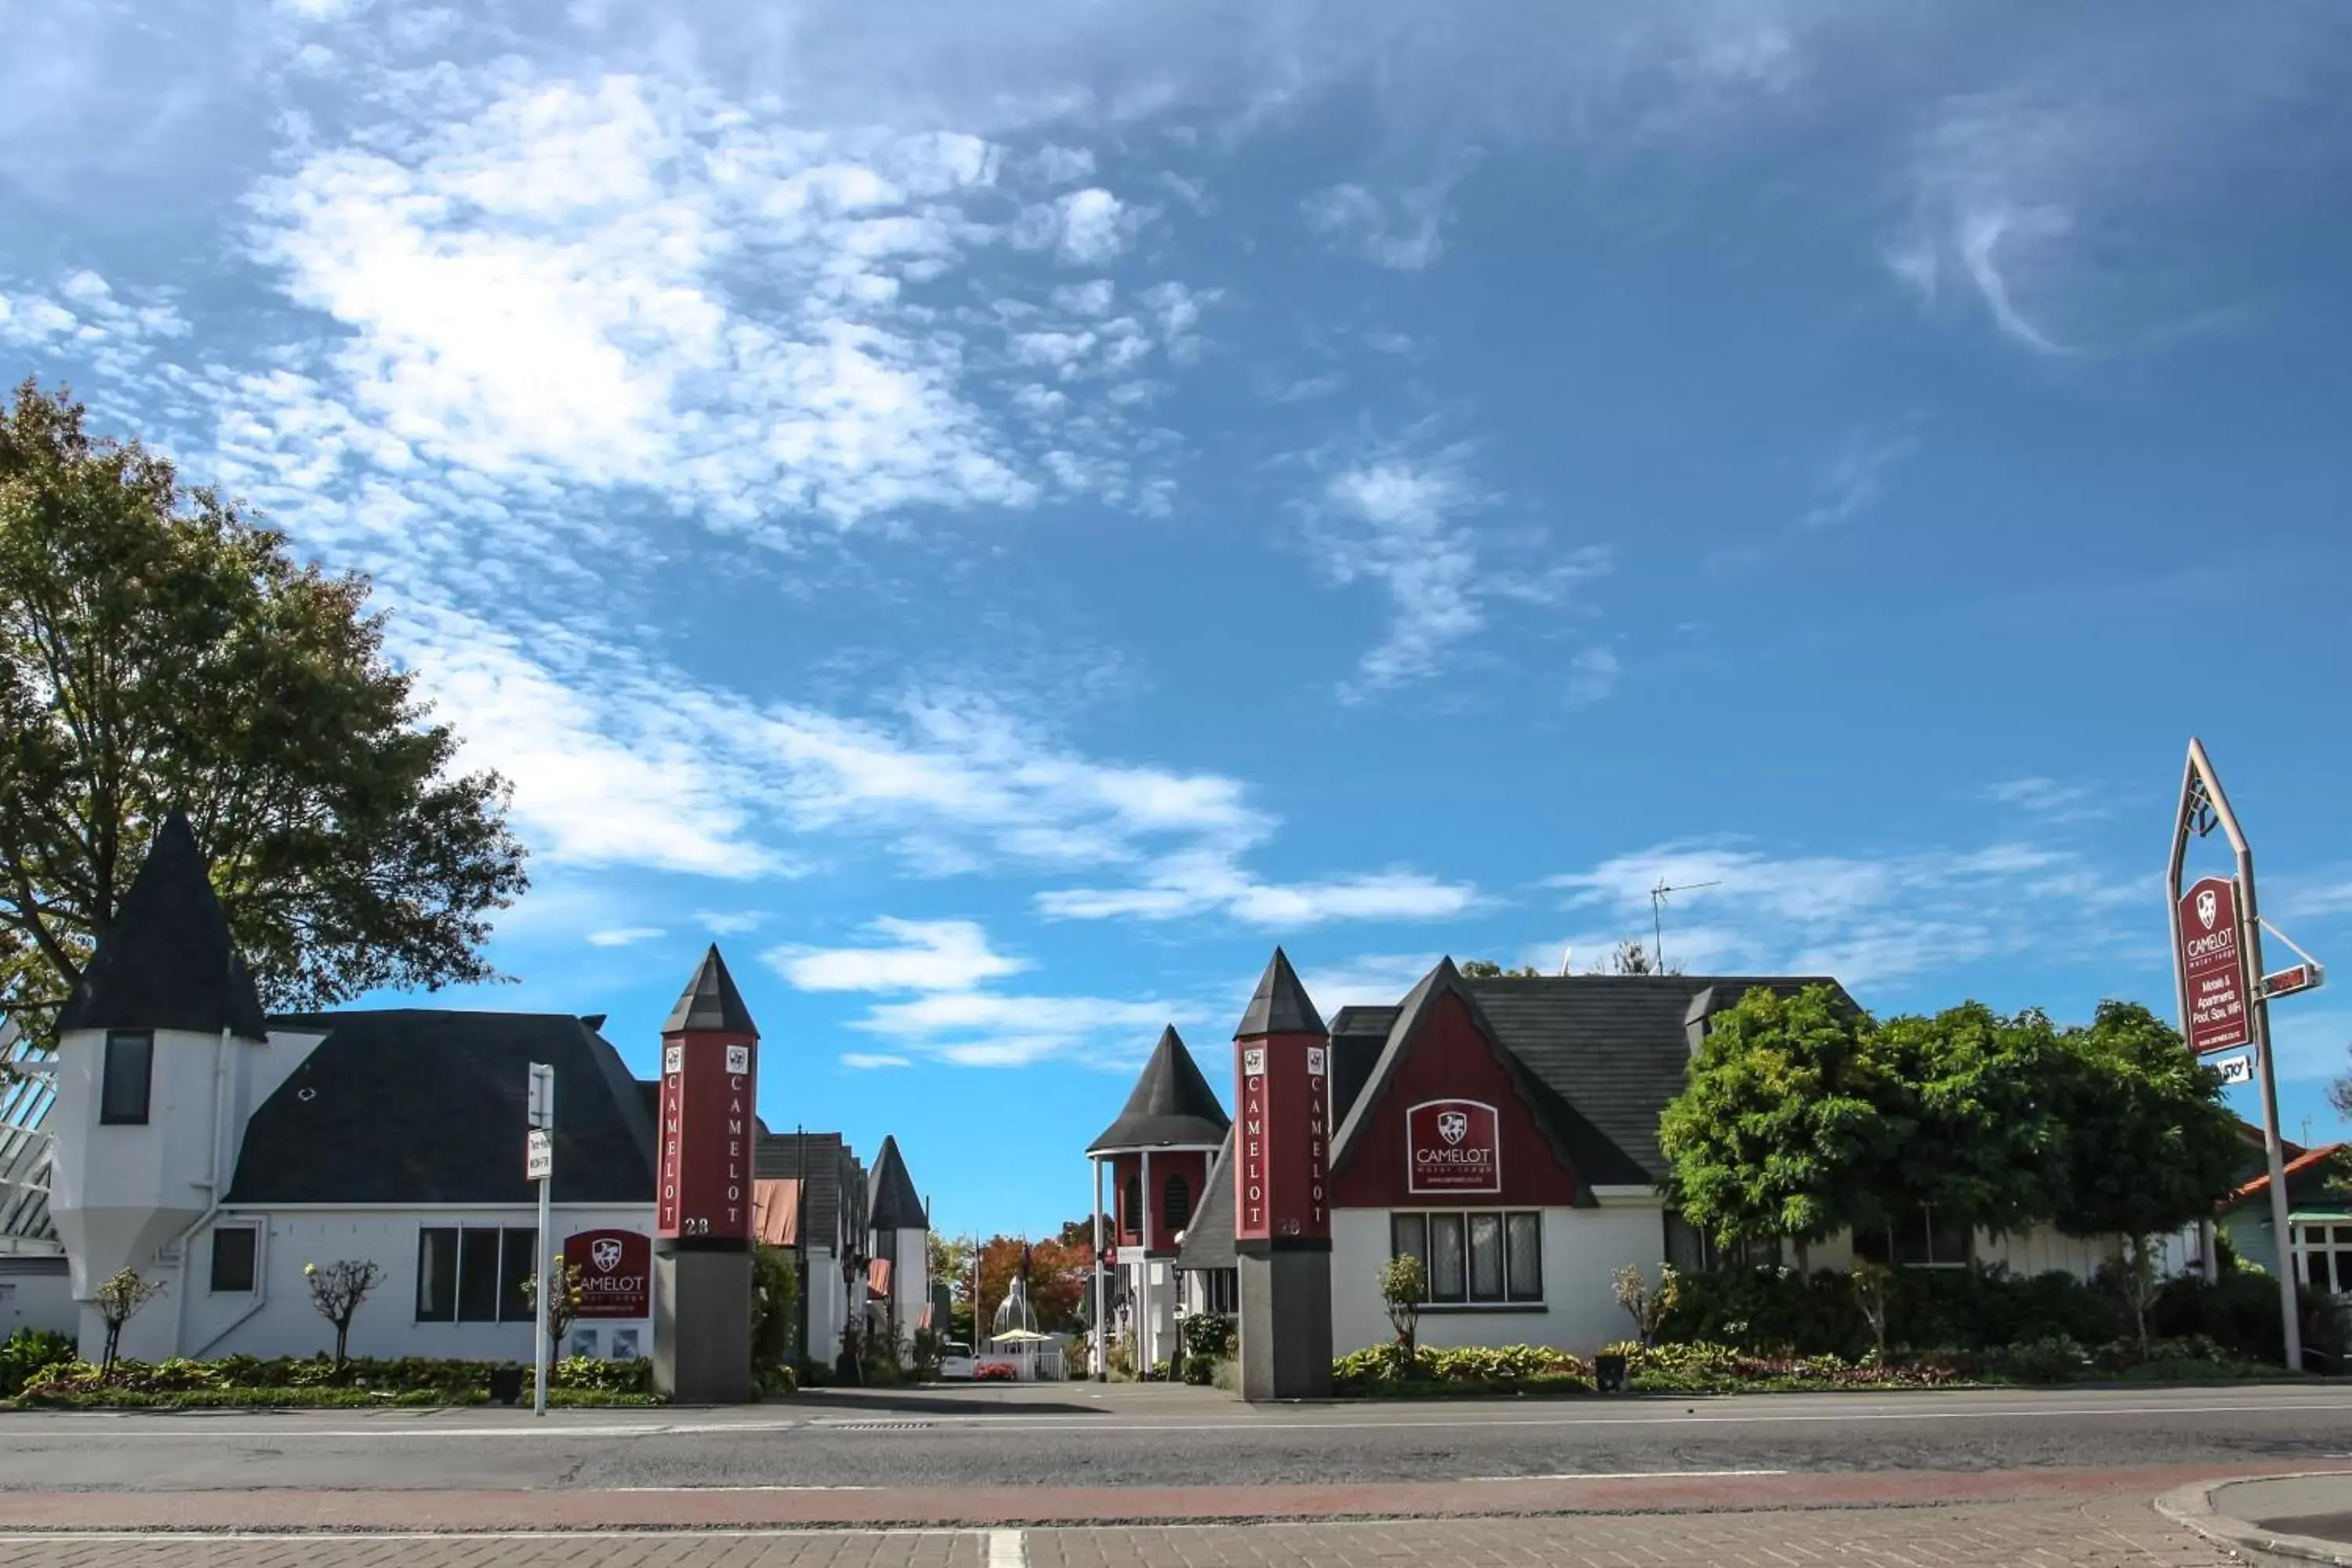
column 1001, row 514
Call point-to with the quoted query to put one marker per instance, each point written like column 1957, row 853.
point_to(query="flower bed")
column 996, row 1372
column 245, row 1382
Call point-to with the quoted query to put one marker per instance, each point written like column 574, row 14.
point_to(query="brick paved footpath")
column 2041, row 1533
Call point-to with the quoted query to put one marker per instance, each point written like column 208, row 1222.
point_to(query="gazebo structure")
column 1157, row 1155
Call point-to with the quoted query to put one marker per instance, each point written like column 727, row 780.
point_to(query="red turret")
column 1282, row 1072
column 710, row 1090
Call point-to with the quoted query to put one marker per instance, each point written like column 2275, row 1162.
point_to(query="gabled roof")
column 710, row 1001
column 169, row 963
column 1172, row 1105
column 896, row 1204
column 1279, row 1005
column 822, row 1163
column 1597, row 1056
column 2309, row 1160
column 1209, row 1236
column 419, row 1108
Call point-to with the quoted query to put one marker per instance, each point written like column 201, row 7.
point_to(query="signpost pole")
column 2200, row 792
column 542, row 1125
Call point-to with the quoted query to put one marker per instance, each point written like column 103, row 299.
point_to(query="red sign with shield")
column 1453, row 1147
column 615, row 1272
column 2212, row 962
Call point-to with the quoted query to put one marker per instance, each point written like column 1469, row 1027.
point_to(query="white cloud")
column 729, row 922
column 1183, row 886
column 1094, row 226
column 2049, row 799
column 1405, row 233
column 1059, row 166
column 926, row 955
column 1366, row 980
column 1396, row 516
column 1592, row 676
column 1856, row 480
column 1864, row 919
column 624, row 936
column 866, row 1061
column 977, row 1030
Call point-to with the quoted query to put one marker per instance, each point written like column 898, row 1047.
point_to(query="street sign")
column 2287, row 982
column 541, row 1106
column 538, row 1155
column 2211, row 956
column 2239, row 1069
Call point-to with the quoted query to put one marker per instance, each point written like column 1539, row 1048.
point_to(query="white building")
column 220, row 1153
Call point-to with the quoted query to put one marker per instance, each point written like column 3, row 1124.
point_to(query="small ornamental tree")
column 1646, row 1307
column 337, row 1290
column 1873, row 1282
column 118, row 1301
column 1779, row 1131
column 1404, row 1287
column 562, row 1303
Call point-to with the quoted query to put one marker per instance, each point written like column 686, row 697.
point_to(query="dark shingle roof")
column 710, row 1001
column 1172, row 1105
column 415, row 1106
column 1358, row 1035
column 1209, row 1238
column 1598, row 1055
column 169, row 962
column 1279, row 1005
column 896, row 1204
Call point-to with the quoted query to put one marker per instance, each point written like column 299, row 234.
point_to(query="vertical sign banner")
column 709, row 1088
column 1316, row 1221
column 1454, row 1148
column 1249, row 1187
column 2213, row 967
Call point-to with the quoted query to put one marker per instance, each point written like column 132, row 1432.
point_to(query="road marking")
column 13, row 1436
column 599, row 1532
column 1004, row 1550
column 1627, row 1476
column 740, row 1488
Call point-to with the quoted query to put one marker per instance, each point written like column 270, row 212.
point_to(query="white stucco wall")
column 33, row 1297
column 1582, row 1247
column 277, row 1319
column 116, row 1194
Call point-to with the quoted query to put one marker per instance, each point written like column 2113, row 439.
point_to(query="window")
column 233, row 1254
column 1474, row 1258
column 477, row 1274
column 129, row 1071
column 2324, row 1256
column 1175, row 1203
column 1923, row 1239
column 437, row 1274
column 1130, row 1208
column 1220, row 1291
column 518, row 1261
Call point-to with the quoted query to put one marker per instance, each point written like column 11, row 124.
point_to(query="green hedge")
column 1492, row 1368
column 244, row 1380
column 302, row 1399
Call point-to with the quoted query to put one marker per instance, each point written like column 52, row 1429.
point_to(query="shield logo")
column 1453, row 1126
column 606, row 1254
column 2209, row 906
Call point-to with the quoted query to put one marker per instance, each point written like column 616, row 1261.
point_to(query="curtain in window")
column 1486, row 1258
column 1524, row 1246
column 1445, row 1268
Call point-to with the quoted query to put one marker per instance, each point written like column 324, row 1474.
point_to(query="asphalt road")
column 1168, row 1436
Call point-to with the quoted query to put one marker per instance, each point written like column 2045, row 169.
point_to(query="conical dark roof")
column 896, row 1206
column 1172, row 1105
column 1280, row 1005
column 710, row 1001
column 170, row 962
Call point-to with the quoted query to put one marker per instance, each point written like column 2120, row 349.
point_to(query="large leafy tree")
column 159, row 649
column 1982, row 1134
column 2149, row 1146
column 1780, row 1131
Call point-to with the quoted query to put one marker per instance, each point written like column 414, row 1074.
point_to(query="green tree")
column 1632, row 958
column 1487, row 969
column 2149, row 1146
column 159, row 648
column 1779, row 1128
column 1969, row 1095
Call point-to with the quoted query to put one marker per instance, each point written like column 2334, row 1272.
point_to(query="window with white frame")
column 1474, row 1257
column 2323, row 1255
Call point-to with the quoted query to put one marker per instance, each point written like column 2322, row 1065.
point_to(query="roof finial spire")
column 710, row 1003
column 1280, row 1005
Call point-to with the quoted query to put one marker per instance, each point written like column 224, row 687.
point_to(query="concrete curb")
column 2192, row 1507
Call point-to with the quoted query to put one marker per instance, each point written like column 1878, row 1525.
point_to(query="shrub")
column 2051, row 1359
column 26, row 1354
column 247, row 1380
column 996, row 1372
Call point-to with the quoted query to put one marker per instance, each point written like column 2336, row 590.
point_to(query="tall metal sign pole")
column 539, row 1165
column 2217, row 951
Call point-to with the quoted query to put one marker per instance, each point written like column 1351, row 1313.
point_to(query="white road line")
column 1627, row 1476
column 740, row 1488
column 13, row 1435
column 599, row 1532
column 1004, row 1550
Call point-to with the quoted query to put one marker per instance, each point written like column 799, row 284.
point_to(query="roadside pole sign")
column 538, row 1163
column 2211, row 954
column 2287, row 982
column 2239, row 1069
column 538, row 1155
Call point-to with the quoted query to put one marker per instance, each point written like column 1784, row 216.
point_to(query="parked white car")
column 956, row 1364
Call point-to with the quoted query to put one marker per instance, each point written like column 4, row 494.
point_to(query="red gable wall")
column 1164, row 1162
column 1451, row 1059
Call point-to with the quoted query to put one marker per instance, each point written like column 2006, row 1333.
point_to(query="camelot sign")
column 615, row 1272
column 1453, row 1147
column 2213, row 968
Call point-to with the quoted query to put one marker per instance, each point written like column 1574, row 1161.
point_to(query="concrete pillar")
column 702, row 1326
column 1282, row 1214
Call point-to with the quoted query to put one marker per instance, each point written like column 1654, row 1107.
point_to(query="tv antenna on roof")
column 1657, row 918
